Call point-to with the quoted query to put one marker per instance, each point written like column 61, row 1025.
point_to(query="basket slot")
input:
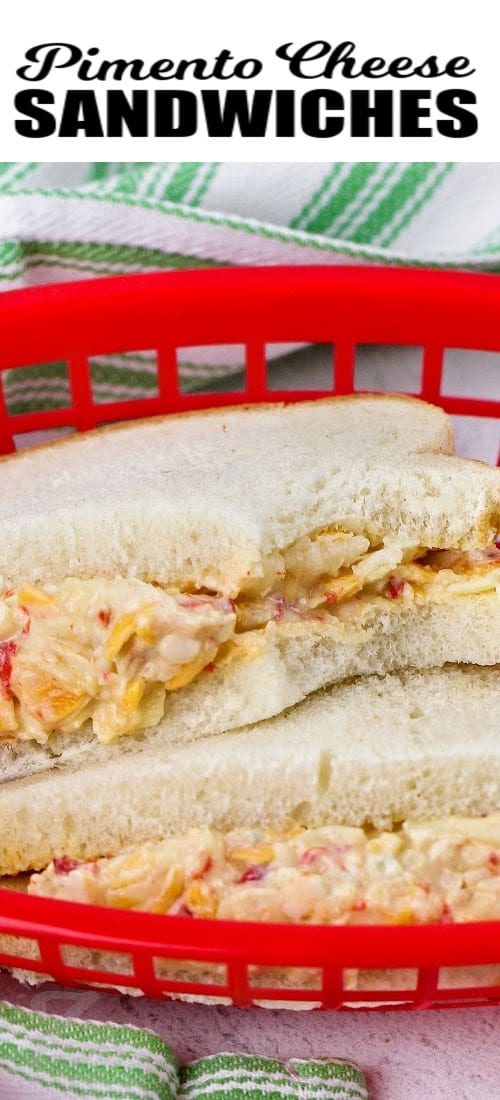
column 200, row 989
column 375, row 998
column 463, row 367
column 211, row 367
column 199, row 972
column 478, row 977
column 388, row 368
column 19, row 951
column 289, row 366
column 271, row 997
column 481, row 994
column 124, row 375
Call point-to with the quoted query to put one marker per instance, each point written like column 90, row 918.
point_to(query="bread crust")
column 202, row 499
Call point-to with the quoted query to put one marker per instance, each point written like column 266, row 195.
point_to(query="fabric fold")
column 45, row 1057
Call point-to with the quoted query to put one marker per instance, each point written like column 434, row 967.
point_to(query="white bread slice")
column 376, row 750
column 201, row 499
column 272, row 669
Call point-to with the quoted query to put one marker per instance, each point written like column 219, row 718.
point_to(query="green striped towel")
column 46, row 1057
column 74, row 221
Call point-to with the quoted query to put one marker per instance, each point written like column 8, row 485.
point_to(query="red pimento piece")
column 253, row 873
column 8, row 592
column 360, row 905
column 279, row 608
column 210, row 667
column 331, row 597
column 208, row 864
column 228, row 605
column 104, row 616
column 497, row 543
column 7, row 651
column 493, row 862
column 311, row 856
column 63, row 865
column 394, row 588
column 189, row 601
column 182, row 911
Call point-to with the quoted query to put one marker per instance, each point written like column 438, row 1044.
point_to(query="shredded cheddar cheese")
column 108, row 650
column 443, row 870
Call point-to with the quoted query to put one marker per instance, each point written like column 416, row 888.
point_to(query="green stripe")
column 68, row 1041
column 109, row 1033
column 343, row 1071
column 301, row 219
column 72, row 1089
column 391, row 202
column 207, row 180
column 257, row 1064
column 58, row 397
column 489, row 243
column 103, row 374
column 349, row 188
column 6, row 165
column 129, row 358
column 244, row 1077
column 15, row 172
column 182, row 180
column 99, row 170
column 264, row 231
column 79, row 1069
column 128, row 182
column 162, row 171
column 419, row 202
column 62, row 1070
column 92, row 258
column 9, row 251
column 374, row 199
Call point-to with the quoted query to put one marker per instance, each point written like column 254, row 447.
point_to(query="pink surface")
column 451, row 1054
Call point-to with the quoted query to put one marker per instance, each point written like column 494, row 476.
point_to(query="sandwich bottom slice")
column 376, row 801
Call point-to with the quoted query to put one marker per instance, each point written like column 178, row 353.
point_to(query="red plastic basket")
column 333, row 967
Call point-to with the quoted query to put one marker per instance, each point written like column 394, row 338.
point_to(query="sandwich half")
column 373, row 801
column 173, row 579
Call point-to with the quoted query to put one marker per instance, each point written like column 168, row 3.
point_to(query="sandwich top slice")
column 189, row 570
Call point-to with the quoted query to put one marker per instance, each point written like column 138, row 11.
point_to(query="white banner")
column 264, row 81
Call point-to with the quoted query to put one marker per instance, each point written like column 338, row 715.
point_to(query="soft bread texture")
column 201, row 499
column 376, row 750
column 272, row 670
column 416, row 744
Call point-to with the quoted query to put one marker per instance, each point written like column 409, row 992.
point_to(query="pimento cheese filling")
column 433, row 871
column 109, row 650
